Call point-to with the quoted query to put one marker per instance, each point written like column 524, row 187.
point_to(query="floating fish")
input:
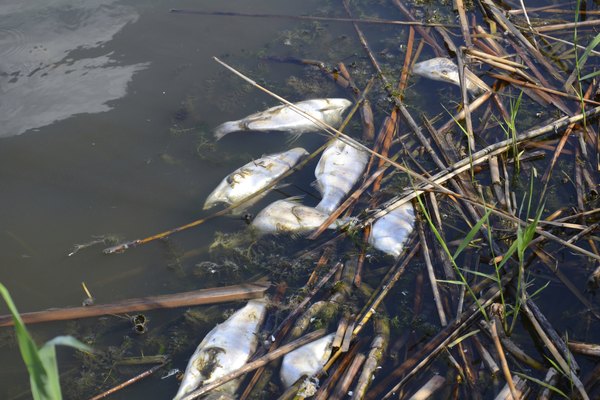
column 389, row 232
column 306, row 360
column 285, row 118
column 338, row 170
column 444, row 69
column 289, row 216
column 226, row 348
column 253, row 177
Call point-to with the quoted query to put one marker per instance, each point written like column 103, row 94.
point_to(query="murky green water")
column 106, row 112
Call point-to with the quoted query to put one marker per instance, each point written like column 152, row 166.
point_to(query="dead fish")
column 389, row 232
column 289, row 216
column 226, row 348
column 338, row 170
column 306, row 360
column 253, row 177
column 284, row 118
column 444, row 69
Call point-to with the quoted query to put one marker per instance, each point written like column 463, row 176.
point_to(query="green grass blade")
column 542, row 383
column 29, row 351
column 589, row 76
column 471, row 234
column 48, row 357
column 588, row 50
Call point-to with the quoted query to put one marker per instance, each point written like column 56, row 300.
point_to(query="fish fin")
column 315, row 184
column 295, row 199
column 325, row 207
column 225, row 128
column 293, row 136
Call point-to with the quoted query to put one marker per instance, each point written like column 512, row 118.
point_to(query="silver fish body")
column 288, row 216
column 444, row 70
column 253, row 177
column 227, row 347
column 306, row 360
column 285, row 118
column 389, row 232
column 340, row 166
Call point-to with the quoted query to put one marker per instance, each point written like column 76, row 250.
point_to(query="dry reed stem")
column 324, row 392
column 431, row 273
column 503, row 362
column 542, row 88
column 565, row 364
column 183, row 299
column 464, row 25
column 129, row 382
column 485, row 56
column 587, row 349
column 568, row 25
column 379, row 345
column 341, row 390
column 551, row 379
column 429, row 388
column 487, row 358
column 520, row 385
column 510, row 29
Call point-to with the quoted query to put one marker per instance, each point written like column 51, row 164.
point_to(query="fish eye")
column 444, row 72
column 247, row 218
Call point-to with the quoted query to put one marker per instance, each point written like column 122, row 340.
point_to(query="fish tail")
column 226, row 128
column 327, row 206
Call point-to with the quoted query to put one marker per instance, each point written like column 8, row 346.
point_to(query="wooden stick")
column 193, row 298
column 128, row 382
column 264, row 360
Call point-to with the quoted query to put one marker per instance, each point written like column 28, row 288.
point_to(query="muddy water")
column 106, row 109
column 93, row 95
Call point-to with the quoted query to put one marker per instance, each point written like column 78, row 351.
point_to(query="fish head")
column 439, row 69
column 219, row 194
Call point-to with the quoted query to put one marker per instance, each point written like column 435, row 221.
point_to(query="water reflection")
column 52, row 61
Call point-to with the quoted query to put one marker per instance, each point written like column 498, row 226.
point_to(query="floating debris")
column 389, row 232
column 340, row 166
column 289, row 216
column 285, row 118
column 226, row 348
column 252, row 178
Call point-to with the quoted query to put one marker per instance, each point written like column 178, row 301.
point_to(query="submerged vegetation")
column 493, row 293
